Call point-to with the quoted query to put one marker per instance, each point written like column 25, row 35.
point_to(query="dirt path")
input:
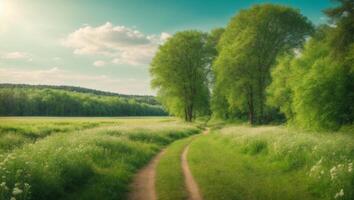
column 191, row 184
column 143, row 186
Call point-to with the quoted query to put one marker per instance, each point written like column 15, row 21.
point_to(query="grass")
column 17, row 131
column 239, row 162
column 93, row 163
column 169, row 176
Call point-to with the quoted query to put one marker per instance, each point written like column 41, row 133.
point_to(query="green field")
column 79, row 158
column 270, row 162
column 96, row 158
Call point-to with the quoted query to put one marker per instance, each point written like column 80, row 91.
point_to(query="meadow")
column 96, row 158
column 273, row 162
column 80, row 158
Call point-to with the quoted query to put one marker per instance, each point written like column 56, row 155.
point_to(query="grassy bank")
column 238, row 162
column 89, row 164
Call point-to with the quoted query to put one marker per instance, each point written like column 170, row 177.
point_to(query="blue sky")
column 103, row 44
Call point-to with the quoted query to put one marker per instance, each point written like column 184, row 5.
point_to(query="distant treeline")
column 45, row 101
column 138, row 98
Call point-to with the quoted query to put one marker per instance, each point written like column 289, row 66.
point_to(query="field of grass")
column 239, row 162
column 16, row 131
column 85, row 159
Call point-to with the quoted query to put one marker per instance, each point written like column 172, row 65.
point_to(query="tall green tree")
column 248, row 48
column 179, row 73
column 315, row 89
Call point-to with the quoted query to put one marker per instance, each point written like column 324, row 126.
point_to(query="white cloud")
column 16, row 56
column 99, row 63
column 122, row 44
column 57, row 76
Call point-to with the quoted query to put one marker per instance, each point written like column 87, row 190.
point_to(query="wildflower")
column 339, row 194
column 320, row 161
column 27, row 186
column 16, row 191
column 333, row 172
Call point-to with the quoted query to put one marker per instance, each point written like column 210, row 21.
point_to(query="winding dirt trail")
column 143, row 186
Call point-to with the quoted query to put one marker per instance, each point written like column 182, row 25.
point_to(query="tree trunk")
column 190, row 113
column 185, row 114
column 261, row 103
column 251, row 106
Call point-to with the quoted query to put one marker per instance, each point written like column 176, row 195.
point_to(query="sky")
column 106, row 44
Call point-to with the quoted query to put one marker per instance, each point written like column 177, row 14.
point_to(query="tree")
column 342, row 17
column 179, row 72
column 248, row 48
column 280, row 90
column 318, row 91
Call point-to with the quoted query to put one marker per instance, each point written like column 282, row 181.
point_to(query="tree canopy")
column 315, row 89
column 248, row 48
column 45, row 101
column 179, row 71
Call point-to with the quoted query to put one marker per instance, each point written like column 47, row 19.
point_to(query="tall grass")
column 88, row 164
column 16, row 131
column 274, row 163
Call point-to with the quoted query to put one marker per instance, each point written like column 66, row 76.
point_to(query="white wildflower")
column 3, row 184
column 16, row 191
column 27, row 186
column 333, row 172
column 320, row 161
column 339, row 194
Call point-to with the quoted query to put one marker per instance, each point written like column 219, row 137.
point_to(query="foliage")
column 138, row 98
column 315, row 88
column 247, row 49
column 279, row 91
column 25, row 101
column 179, row 72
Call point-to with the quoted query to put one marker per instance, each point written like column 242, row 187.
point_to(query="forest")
column 270, row 64
column 20, row 100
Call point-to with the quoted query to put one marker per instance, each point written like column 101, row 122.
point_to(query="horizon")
column 106, row 46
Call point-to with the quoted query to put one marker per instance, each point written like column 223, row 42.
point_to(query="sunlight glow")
column 8, row 11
